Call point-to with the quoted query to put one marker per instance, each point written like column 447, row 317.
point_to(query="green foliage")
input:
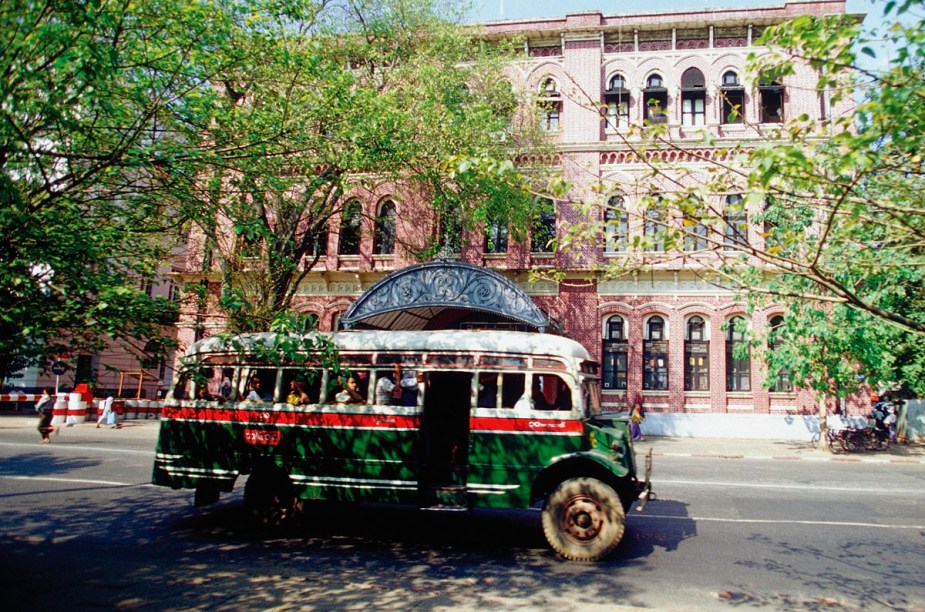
column 301, row 107
column 835, row 206
column 82, row 89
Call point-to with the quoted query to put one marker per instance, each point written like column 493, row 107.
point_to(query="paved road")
column 733, row 527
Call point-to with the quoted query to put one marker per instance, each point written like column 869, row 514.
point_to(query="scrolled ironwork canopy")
column 442, row 295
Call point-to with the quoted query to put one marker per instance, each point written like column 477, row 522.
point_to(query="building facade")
column 665, row 333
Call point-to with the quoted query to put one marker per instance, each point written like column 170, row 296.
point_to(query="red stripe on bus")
column 276, row 417
column 526, row 425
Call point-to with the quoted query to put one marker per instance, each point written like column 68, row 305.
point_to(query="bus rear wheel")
column 268, row 497
column 583, row 519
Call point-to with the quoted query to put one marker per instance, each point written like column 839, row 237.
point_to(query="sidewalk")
column 662, row 446
column 782, row 450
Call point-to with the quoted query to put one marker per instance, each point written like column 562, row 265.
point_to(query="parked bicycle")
column 854, row 439
column 836, row 439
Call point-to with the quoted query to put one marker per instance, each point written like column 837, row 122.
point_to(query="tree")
column 310, row 103
column 836, row 205
column 85, row 84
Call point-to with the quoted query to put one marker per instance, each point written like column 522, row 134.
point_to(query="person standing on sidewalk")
column 637, row 416
column 45, row 408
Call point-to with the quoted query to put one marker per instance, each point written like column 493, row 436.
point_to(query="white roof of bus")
column 530, row 343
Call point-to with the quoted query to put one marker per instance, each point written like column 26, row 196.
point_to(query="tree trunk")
column 823, row 424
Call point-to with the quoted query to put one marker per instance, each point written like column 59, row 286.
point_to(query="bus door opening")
column 445, row 438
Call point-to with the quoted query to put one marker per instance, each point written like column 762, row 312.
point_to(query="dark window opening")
column 771, row 101
column 385, row 229
column 350, row 229
column 615, row 352
column 656, row 100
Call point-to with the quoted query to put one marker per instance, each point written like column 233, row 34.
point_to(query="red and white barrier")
column 76, row 409
column 59, row 411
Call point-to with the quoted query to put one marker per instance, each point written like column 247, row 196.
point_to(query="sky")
column 492, row 10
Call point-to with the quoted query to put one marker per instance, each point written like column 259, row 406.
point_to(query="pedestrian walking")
column 45, row 409
column 637, row 416
column 106, row 413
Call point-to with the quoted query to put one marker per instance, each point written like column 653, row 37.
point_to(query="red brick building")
column 664, row 334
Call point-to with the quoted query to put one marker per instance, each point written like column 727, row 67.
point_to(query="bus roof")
column 530, row 343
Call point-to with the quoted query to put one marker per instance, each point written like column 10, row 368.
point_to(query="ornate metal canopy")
column 441, row 295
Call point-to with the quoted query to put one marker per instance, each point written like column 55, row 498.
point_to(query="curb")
column 819, row 457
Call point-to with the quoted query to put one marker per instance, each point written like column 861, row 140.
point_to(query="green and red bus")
column 448, row 420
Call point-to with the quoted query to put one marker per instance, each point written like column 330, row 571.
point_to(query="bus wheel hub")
column 583, row 518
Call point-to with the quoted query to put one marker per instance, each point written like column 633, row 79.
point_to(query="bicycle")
column 836, row 438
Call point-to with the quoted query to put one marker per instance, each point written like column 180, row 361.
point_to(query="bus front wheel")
column 583, row 519
column 268, row 496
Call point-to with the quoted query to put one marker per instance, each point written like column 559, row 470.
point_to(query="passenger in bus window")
column 409, row 388
column 564, row 398
column 385, row 387
column 350, row 394
column 538, row 397
column 202, row 393
column 488, row 390
column 225, row 389
column 297, row 395
column 257, row 392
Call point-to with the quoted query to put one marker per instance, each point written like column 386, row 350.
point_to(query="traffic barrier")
column 154, row 409
column 59, row 412
column 131, row 409
column 76, row 409
column 118, row 406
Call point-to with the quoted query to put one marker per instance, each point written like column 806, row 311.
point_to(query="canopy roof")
column 444, row 295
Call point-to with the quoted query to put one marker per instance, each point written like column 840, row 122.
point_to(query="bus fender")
column 592, row 463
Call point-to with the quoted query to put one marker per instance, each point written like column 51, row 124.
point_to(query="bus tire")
column 583, row 519
column 268, row 497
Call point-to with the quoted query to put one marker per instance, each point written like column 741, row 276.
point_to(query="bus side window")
column 301, row 387
column 261, row 385
column 550, row 392
column 512, row 388
column 488, row 390
column 183, row 388
column 352, row 388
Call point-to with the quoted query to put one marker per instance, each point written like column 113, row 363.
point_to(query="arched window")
column 693, row 98
column 616, row 225
column 351, row 218
column 544, row 228
column 615, row 353
column 656, row 99
column 550, row 104
column 655, row 355
column 617, row 100
column 736, row 223
column 732, row 95
column 738, row 368
column 782, row 382
column 385, row 229
column 696, row 356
